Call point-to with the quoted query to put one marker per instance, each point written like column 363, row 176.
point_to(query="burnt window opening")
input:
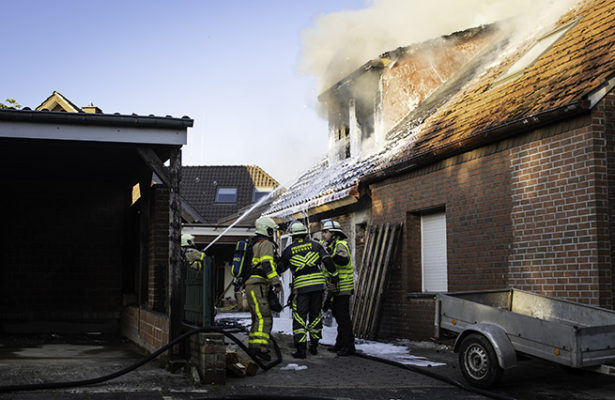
column 343, row 132
column 365, row 117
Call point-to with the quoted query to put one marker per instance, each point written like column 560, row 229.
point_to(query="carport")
column 89, row 242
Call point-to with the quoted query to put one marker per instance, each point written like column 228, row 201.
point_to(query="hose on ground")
column 92, row 381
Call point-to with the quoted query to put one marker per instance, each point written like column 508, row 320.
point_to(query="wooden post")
column 175, row 264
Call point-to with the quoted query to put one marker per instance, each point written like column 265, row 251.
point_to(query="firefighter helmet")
column 187, row 239
column 333, row 226
column 297, row 228
column 265, row 226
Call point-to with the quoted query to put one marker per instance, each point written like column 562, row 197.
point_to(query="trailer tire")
column 478, row 361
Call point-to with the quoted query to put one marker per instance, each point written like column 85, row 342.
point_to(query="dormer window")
column 259, row 193
column 226, row 195
column 533, row 54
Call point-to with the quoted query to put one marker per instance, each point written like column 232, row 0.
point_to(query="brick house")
column 502, row 175
column 89, row 243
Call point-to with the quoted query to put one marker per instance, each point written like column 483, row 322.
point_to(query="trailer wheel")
column 478, row 361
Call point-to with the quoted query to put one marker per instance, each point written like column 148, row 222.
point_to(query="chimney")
column 91, row 109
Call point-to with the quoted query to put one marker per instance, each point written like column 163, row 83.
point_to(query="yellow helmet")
column 187, row 239
column 297, row 228
column 265, row 226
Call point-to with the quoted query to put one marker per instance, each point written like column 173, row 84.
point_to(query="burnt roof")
column 467, row 112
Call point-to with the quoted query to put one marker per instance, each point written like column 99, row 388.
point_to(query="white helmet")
column 265, row 226
column 332, row 226
column 187, row 239
column 297, row 228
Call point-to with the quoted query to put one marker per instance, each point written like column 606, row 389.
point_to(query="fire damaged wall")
column 414, row 73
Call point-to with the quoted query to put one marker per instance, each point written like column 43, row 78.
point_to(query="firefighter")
column 261, row 278
column 304, row 257
column 190, row 255
column 335, row 241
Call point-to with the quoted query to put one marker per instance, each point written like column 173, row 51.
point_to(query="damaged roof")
column 468, row 110
column 566, row 79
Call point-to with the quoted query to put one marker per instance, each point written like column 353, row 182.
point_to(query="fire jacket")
column 264, row 262
column 340, row 253
column 303, row 257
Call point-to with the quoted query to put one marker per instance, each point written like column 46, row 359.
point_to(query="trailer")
column 494, row 327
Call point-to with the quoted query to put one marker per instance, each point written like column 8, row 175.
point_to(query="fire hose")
column 226, row 331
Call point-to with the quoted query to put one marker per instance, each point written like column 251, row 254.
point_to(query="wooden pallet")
column 378, row 254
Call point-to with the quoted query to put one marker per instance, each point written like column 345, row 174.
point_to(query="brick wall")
column 529, row 212
column 148, row 329
column 158, row 257
column 559, row 215
column 417, row 74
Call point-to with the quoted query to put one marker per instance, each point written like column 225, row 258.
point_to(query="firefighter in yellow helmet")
column 262, row 277
column 190, row 255
column 304, row 256
column 335, row 240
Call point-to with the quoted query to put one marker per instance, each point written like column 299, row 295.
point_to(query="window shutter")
column 433, row 252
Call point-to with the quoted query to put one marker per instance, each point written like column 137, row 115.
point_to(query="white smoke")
column 340, row 42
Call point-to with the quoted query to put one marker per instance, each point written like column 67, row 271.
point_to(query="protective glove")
column 277, row 288
column 334, row 279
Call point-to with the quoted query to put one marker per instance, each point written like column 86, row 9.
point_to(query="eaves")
column 476, row 140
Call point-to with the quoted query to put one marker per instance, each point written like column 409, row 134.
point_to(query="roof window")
column 226, row 195
column 533, row 54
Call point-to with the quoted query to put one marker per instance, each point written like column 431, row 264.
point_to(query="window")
column 533, row 54
column 433, row 252
column 226, row 195
column 259, row 193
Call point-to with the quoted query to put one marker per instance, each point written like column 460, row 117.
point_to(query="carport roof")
column 118, row 128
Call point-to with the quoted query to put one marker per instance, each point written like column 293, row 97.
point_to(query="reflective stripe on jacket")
column 346, row 272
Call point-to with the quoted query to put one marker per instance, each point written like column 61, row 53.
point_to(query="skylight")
column 533, row 54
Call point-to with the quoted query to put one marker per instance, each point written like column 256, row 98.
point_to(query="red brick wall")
column 530, row 212
column 148, row 329
column 417, row 74
column 560, row 216
column 158, row 258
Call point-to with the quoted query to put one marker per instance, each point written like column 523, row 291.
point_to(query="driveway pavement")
column 36, row 359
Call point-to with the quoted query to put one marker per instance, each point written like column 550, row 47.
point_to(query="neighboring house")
column 220, row 195
column 504, row 176
column 88, row 243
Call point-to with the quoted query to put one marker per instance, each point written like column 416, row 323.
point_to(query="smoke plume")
column 340, row 42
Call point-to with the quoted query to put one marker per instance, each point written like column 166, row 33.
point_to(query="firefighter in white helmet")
column 335, row 240
column 190, row 255
column 304, row 256
column 262, row 277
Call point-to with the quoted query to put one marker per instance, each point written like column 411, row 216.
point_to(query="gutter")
column 479, row 139
column 134, row 120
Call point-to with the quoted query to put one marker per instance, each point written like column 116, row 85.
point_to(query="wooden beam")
column 152, row 160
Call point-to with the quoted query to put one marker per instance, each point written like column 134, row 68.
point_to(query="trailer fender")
column 504, row 350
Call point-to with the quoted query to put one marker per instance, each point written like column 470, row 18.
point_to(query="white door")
column 433, row 252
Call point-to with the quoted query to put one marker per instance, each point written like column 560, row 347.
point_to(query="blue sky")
column 231, row 65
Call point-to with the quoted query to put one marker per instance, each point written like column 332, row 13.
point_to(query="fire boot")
column 300, row 353
column 346, row 351
column 313, row 348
